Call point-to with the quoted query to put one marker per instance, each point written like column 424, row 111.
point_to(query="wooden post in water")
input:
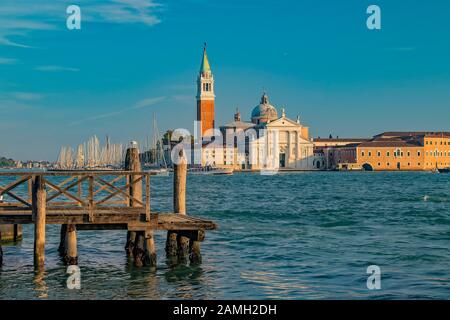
column 140, row 244
column 71, row 254
column 132, row 163
column 39, row 213
column 62, row 240
column 176, row 243
column 139, row 249
column 179, row 204
column 150, row 249
column 63, row 243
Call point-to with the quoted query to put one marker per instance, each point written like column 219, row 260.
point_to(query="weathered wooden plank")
column 106, row 187
column 13, row 184
column 105, row 226
column 66, row 181
column 64, row 191
column 16, row 197
column 120, row 190
column 135, row 220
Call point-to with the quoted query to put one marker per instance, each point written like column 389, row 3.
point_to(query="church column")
column 287, row 151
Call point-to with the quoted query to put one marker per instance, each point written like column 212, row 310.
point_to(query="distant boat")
column 164, row 172
column 444, row 170
column 208, row 170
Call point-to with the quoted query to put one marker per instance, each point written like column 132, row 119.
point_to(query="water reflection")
column 40, row 285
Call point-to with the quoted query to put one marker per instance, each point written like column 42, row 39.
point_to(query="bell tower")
column 205, row 95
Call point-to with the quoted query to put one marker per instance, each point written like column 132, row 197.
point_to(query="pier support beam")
column 71, row 254
column 131, row 241
column 195, row 256
column 139, row 249
column 150, row 249
column 39, row 212
column 62, row 240
column 145, row 250
column 171, row 244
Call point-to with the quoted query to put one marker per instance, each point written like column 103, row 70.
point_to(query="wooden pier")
column 101, row 200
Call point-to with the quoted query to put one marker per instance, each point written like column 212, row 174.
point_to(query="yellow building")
column 405, row 151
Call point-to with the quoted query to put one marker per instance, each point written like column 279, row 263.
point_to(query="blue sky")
column 135, row 57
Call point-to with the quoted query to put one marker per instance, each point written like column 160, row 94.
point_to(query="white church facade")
column 267, row 142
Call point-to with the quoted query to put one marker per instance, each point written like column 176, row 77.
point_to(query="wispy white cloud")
column 7, row 61
column 19, row 18
column 183, row 97
column 56, row 69
column 138, row 105
column 147, row 102
column 26, row 96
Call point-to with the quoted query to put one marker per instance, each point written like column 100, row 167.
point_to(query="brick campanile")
column 205, row 95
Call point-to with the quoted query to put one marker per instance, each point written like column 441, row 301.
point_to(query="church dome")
column 264, row 112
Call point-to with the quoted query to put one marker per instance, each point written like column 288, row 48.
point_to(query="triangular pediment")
column 283, row 122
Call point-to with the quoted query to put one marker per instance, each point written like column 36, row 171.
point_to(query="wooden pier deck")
column 100, row 200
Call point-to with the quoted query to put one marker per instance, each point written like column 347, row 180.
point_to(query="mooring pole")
column 62, row 240
column 150, row 249
column 176, row 243
column 179, row 203
column 39, row 212
column 71, row 254
column 132, row 163
column 140, row 244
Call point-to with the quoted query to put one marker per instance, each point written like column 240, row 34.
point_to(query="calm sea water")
column 290, row 236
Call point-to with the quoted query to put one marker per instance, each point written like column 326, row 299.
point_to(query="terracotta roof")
column 389, row 143
column 412, row 133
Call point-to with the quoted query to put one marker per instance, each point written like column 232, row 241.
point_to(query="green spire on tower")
column 205, row 68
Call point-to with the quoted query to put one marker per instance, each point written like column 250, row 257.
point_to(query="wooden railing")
column 83, row 190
